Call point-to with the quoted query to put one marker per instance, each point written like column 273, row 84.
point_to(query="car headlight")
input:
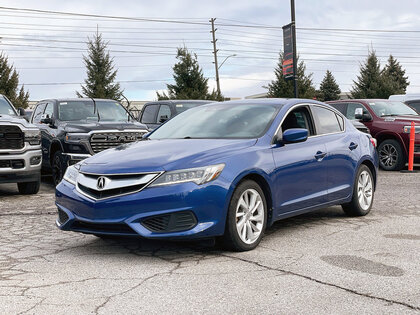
column 33, row 136
column 77, row 137
column 199, row 175
column 71, row 174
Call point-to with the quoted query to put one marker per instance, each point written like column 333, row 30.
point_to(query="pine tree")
column 100, row 72
column 371, row 83
column 9, row 81
column 284, row 88
column 394, row 73
column 190, row 82
column 329, row 89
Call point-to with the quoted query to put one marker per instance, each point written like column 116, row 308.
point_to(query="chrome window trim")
column 158, row 174
column 311, row 104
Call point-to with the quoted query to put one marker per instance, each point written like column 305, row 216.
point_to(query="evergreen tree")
column 395, row 75
column 9, row 81
column 190, row 82
column 100, row 72
column 371, row 83
column 284, row 88
column 329, row 89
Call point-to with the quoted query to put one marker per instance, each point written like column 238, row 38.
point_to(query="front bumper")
column 27, row 173
column 125, row 215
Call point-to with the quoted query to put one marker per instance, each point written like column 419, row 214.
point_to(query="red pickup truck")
column 389, row 122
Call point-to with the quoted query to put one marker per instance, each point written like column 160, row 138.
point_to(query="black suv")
column 74, row 129
column 156, row 113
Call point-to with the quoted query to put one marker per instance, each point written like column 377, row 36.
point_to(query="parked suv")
column 20, row 149
column 156, row 113
column 412, row 100
column 74, row 129
column 389, row 122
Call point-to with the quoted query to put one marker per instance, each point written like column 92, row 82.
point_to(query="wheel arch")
column 381, row 137
column 372, row 169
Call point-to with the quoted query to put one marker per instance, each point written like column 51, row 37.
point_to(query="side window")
column 298, row 118
column 36, row 118
column 326, row 120
column 49, row 110
column 340, row 122
column 164, row 113
column 351, row 108
column 149, row 114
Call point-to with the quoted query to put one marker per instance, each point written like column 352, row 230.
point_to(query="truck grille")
column 11, row 138
column 417, row 148
column 105, row 140
column 172, row 222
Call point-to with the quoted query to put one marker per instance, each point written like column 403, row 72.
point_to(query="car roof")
column 181, row 101
column 366, row 100
column 280, row 102
column 75, row 99
column 405, row 97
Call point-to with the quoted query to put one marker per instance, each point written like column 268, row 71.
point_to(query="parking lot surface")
column 322, row 262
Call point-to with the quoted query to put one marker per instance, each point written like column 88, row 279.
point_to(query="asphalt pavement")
column 322, row 262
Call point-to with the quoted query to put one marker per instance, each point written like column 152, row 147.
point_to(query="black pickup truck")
column 75, row 129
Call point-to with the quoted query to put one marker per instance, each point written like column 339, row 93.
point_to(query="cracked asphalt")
column 322, row 262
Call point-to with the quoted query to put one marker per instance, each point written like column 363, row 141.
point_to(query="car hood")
column 88, row 126
column 16, row 120
column 403, row 119
column 163, row 155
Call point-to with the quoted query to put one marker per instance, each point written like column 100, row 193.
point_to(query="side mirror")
column 45, row 119
column 21, row 111
column 366, row 117
column 163, row 118
column 358, row 113
column 295, row 135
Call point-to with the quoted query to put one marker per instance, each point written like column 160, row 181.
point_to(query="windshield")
column 85, row 110
column 182, row 107
column 386, row 108
column 219, row 121
column 6, row 108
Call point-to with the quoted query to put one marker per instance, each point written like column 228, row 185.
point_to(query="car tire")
column 246, row 218
column 391, row 155
column 363, row 193
column 58, row 167
column 29, row 188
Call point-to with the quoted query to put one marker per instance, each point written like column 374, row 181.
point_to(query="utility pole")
column 213, row 31
column 292, row 6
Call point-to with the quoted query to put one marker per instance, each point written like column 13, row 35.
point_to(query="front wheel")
column 58, row 167
column 363, row 193
column 391, row 156
column 247, row 216
column 29, row 188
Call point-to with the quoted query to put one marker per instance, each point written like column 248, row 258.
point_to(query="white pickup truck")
column 20, row 149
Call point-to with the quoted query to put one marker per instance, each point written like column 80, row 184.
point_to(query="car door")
column 300, row 175
column 342, row 151
column 164, row 113
column 36, row 120
column 149, row 116
column 47, row 131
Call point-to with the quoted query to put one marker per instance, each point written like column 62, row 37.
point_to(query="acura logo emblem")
column 100, row 184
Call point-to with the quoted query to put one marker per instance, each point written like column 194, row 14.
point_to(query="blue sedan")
column 224, row 170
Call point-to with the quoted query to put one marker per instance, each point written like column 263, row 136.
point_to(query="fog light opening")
column 35, row 160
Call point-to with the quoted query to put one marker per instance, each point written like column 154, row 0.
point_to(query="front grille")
column 116, row 228
column 62, row 216
column 11, row 138
column 113, row 185
column 14, row 164
column 173, row 222
column 105, row 140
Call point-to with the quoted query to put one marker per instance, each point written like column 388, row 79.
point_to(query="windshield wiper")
column 389, row 115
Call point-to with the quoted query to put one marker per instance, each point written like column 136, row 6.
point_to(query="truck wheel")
column 247, row 217
column 29, row 188
column 363, row 192
column 391, row 156
column 58, row 167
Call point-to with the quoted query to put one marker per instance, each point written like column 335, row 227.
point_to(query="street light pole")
column 234, row 55
column 213, row 31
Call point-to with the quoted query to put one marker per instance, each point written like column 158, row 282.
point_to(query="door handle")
column 320, row 155
column 353, row 146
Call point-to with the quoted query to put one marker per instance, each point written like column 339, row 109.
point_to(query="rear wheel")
column 58, row 167
column 391, row 156
column 29, row 188
column 246, row 220
column 363, row 192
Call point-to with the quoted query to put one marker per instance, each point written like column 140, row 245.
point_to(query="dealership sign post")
column 289, row 48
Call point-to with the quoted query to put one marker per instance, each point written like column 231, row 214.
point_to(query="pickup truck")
column 75, row 129
column 389, row 122
column 20, row 149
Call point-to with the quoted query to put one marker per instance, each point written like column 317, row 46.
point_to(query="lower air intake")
column 173, row 222
column 62, row 216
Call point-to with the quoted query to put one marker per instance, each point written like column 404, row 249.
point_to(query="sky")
column 47, row 49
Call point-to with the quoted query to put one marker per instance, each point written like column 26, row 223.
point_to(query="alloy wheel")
column 57, row 170
column 388, row 155
column 250, row 216
column 365, row 190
